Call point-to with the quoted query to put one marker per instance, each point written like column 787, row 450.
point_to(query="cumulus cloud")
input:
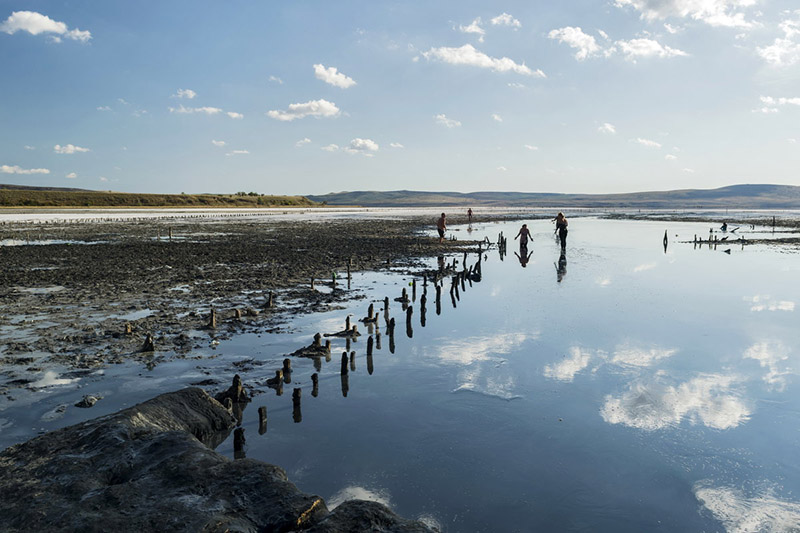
column 707, row 399
column 275, row 79
column 773, row 105
column 315, row 108
column 238, row 152
column 36, row 23
column 670, row 157
column 362, row 146
column 636, row 48
column 218, row 143
column 206, row 110
column 469, row 55
column 330, row 147
column 68, row 149
column 783, row 51
column 607, row 128
column 449, row 122
column 103, row 108
column 739, row 513
column 531, row 147
column 185, row 93
column 724, row 13
column 640, row 357
column 302, row 142
column 234, row 115
column 333, row 77
column 71, row 175
column 567, row 368
column 396, row 145
column 6, row 169
column 761, row 302
column 574, row 37
column 474, row 27
column 470, row 350
column 502, row 168
column 505, row 19
column 497, row 118
column 646, row 142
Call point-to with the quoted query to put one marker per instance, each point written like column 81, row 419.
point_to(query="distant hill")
column 733, row 196
column 22, row 196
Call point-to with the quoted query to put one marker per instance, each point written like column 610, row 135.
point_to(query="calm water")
column 633, row 390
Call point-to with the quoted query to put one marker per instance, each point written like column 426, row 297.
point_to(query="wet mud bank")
column 86, row 295
column 152, row 467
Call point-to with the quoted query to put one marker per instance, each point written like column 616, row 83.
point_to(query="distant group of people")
column 524, row 234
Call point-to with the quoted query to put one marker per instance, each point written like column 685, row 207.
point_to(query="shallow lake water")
column 620, row 387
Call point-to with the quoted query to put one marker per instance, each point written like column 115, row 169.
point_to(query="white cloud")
column 123, row 101
column 6, row 169
column 331, row 148
column 185, row 93
column 514, row 85
column 502, row 168
column 607, row 128
column 218, row 143
column 238, row 152
column 506, row 20
column 36, row 23
column 276, row 79
column 331, row 76
column 302, row 142
column 103, row 108
column 68, row 149
column 772, row 356
column 636, row 48
column 646, row 142
column 469, row 55
column 742, row 514
column 791, row 140
column 766, row 303
column 706, row 399
column 670, row 157
column 181, row 109
column 688, row 170
column 671, row 29
column 71, row 175
column 470, row 350
column 724, row 13
column 474, row 27
column 103, row 178
column 314, row 108
column 450, row 123
column 396, row 145
column 772, row 105
column 497, row 118
column 362, row 146
column 234, row 115
column 531, row 147
column 585, row 44
column 569, row 366
column 29, row 147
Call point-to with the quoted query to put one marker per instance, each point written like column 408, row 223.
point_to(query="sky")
column 312, row 97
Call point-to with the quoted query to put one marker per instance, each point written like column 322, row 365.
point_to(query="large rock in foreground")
column 150, row 468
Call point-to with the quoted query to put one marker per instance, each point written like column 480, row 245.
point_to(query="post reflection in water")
column 345, row 384
column 297, row 414
column 561, row 266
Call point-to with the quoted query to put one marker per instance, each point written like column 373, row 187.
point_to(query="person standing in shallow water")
column 469, row 214
column 525, row 234
column 561, row 229
column 441, row 226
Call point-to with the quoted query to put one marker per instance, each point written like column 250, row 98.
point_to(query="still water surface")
column 618, row 388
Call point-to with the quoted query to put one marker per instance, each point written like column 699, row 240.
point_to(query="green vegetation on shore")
column 83, row 198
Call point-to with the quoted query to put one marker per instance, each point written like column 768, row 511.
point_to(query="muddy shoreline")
column 95, row 291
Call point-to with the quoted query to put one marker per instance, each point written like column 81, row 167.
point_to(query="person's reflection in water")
column 523, row 259
column 561, row 266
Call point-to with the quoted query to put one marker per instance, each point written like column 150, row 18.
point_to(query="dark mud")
column 92, row 296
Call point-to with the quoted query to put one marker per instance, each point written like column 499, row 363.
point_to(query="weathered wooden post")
column 287, row 370
column 262, row 420
column 238, row 440
column 237, row 314
column 377, row 338
column 314, row 384
column 413, row 290
column 409, row 314
column 212, row 319
column 270, row 300
column 149, row 345
column 312, row 284
column 128, row 328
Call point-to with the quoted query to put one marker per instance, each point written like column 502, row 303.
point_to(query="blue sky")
column 316, row 97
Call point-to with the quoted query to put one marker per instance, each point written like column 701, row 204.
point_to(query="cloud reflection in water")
column 740, row 514
column 706, row 399
column 770, row 355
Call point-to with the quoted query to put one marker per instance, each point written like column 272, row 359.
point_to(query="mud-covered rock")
column 151, row 468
